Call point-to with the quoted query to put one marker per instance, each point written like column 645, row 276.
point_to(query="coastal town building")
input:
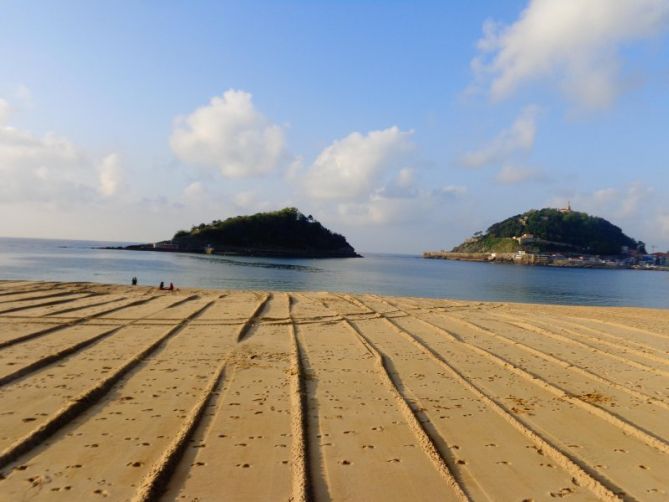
column 566, row 209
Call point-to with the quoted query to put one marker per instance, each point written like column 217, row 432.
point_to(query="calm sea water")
column 400, row 275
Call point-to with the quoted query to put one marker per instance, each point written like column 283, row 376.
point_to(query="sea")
column 384, row 274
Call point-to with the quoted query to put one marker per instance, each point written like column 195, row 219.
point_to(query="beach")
column 133, row 393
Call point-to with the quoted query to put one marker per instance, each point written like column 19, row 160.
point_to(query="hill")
column 287, row 232
column 552, row 230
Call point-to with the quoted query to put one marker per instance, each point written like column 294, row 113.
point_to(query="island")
column 555, row 237
column 285, row 233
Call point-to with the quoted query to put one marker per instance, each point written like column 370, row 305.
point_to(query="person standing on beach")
column 162, row 285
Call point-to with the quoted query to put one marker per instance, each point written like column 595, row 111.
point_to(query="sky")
column 404, row 125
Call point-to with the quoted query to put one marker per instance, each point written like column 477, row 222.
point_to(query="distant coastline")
column 561, row 238
column 168, row 247
column 547, row 260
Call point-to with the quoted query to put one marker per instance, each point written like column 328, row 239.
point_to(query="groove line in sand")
column 633, row 347
column 571, row 366
column 69, row 324
column 50, row 358
column 551, row 334
column 628, row 427
column 302, row 490
column 602, row 488
column 85, row 400
column 423, row 438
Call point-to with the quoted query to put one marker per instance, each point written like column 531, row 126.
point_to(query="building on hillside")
column 661, row 259
column 166, row 245
column 566, row 209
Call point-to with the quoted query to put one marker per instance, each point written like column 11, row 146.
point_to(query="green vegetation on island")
column 286, row 232
column 552, row 231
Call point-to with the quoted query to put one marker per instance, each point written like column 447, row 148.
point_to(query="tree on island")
column 286, row 229
column 547, row 230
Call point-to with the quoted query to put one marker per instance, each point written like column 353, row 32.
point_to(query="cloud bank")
column 576, row 43
column 51, row 169
column 352, row 167
column 231, row 135
column 518, row 138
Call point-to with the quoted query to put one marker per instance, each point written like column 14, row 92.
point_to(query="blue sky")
column 404, row 125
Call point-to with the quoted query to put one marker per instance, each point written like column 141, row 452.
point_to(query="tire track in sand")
column 250, row 321
column 359, row 438
column 629, row 428
column 490, row 456
column 623, row 424
column 174, row 376
column 580, row 332
column 40, row 356
column 29, row 336
column 302, row 490
column 72, row 295
column 424, row 440
column 636, row 417
column 47, row 293
column 540, row 330
column 642, row 331
column 80, row 403
column 43, row 360
column 160, row 473
column 571, row 367
column 603, row 449
column 583, row 474
column 242, row 439
column 620, row 337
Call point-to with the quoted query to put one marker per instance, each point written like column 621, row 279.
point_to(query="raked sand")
column 130, row 393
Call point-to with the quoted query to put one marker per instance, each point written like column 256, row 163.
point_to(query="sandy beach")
column 131, row 393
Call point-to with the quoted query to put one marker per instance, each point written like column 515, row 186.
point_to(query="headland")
column 285, row 234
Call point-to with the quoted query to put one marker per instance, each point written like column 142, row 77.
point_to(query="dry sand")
column 130, row 393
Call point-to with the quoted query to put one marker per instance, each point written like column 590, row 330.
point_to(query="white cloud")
column 388, row 207
column 245, row 199
column 450, row 191
column 405, row 177
column 518, row 138
column 24, row 94
column 4, row 111
column 50, row 169
column 626, row 202
column 294, row 168
column 194, row 192
column 512, row 174
column 605, row 196
column 41, row 169
column 572, row 42
column 110, row 175
column 662, row 223
column 379, row 210
column 353, row 167
column 231, row 135
column 635, row 195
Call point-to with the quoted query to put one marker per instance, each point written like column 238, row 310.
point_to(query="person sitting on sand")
column 162, row 285
column 134, row 281
column 171, row 288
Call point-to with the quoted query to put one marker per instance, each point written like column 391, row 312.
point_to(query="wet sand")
column 131, row 393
